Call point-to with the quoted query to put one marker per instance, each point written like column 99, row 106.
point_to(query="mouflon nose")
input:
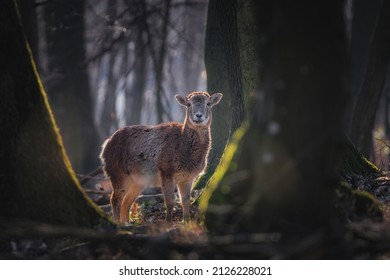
column 198, row 115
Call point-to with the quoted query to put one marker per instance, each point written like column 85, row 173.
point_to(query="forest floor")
column 363, row 233
column 367, row 218
column 147, row 214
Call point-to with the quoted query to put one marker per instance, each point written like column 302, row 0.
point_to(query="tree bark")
column 222, row 60
column 36, row 180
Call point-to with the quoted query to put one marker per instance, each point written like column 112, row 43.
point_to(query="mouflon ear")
column 181, row 99
column 215, row 98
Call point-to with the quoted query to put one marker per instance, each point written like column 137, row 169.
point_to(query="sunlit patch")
column 134, row 215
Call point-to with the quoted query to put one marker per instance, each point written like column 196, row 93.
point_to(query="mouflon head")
column 199, row 106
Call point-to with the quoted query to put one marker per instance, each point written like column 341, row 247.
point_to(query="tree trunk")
column 192, row 51
column 374, row 79
column 108, row 117
column 37, row 182
column 280, row 171
column 160, row 59
column 68, row 87
column 107, row 124
column 134, row 97
column 28, row 16
column 222, row 59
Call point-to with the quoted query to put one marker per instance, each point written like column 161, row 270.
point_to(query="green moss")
column 222, row 168
column 356, row 205
column 356, row 163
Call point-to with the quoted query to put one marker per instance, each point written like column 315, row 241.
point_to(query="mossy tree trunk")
column 36, row 179
column 283, row 165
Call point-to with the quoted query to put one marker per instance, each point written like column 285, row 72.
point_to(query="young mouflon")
column 166, row 155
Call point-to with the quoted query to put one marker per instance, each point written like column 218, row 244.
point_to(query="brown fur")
column 165, row 155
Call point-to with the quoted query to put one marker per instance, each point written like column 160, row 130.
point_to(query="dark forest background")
column 301, row 140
